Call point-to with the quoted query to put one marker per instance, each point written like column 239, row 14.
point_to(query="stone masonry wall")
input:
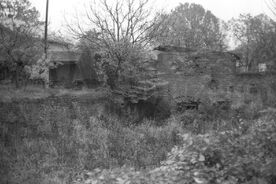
column 210, row 76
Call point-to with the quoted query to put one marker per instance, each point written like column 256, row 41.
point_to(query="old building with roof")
column 64, row 69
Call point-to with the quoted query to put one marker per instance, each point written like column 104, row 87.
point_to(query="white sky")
column 223, row 9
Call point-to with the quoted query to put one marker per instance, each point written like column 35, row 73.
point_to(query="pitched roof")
column 64, row 56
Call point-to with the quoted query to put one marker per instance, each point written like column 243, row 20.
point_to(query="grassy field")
column 52, row 143
column 9, row 92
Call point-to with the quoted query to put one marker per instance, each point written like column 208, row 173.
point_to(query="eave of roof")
column 64, row 56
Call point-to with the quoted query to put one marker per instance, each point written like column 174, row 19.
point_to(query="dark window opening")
column 187, row 104
column 242, row 89
column 223, row 104
column 98, row 57
column 213, row 84
column 231, row 89
column 253, row 89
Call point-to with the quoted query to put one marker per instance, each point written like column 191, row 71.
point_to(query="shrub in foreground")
column 227, row 157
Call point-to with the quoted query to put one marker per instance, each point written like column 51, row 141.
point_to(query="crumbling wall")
column 149, row 99
column 258, row 87
column 199, row 75
column 64, row 75
column 211, row 77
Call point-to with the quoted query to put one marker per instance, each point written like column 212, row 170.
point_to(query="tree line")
column 122, row 32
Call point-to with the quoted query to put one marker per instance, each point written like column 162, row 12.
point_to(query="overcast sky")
column 223, row 9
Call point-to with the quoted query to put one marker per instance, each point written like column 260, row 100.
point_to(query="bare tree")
column 122, row 19
column 117, row 28
column 271, row 4
column 255, row 37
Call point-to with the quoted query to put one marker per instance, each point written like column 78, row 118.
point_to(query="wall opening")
column 213, row 84
column 253, row 89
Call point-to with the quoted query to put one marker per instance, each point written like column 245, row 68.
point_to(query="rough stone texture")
column 258, row 87
column 211, row 76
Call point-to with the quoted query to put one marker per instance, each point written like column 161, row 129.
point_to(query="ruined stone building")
column 64, row 69
column 213, row 77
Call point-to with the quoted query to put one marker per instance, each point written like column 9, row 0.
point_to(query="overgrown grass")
column 52, row 143
column 236, row 156
column 49, row 146
column 10, row 92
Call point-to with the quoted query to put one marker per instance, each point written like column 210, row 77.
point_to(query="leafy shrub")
column 227, row 157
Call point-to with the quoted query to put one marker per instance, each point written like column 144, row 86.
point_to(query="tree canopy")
column 191, row 26
column 256, row 38
column 19, row 43
column 120, row 31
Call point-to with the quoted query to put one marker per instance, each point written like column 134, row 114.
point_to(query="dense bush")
column 242, row 155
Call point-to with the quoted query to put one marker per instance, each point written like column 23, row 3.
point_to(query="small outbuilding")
column 64, row 69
